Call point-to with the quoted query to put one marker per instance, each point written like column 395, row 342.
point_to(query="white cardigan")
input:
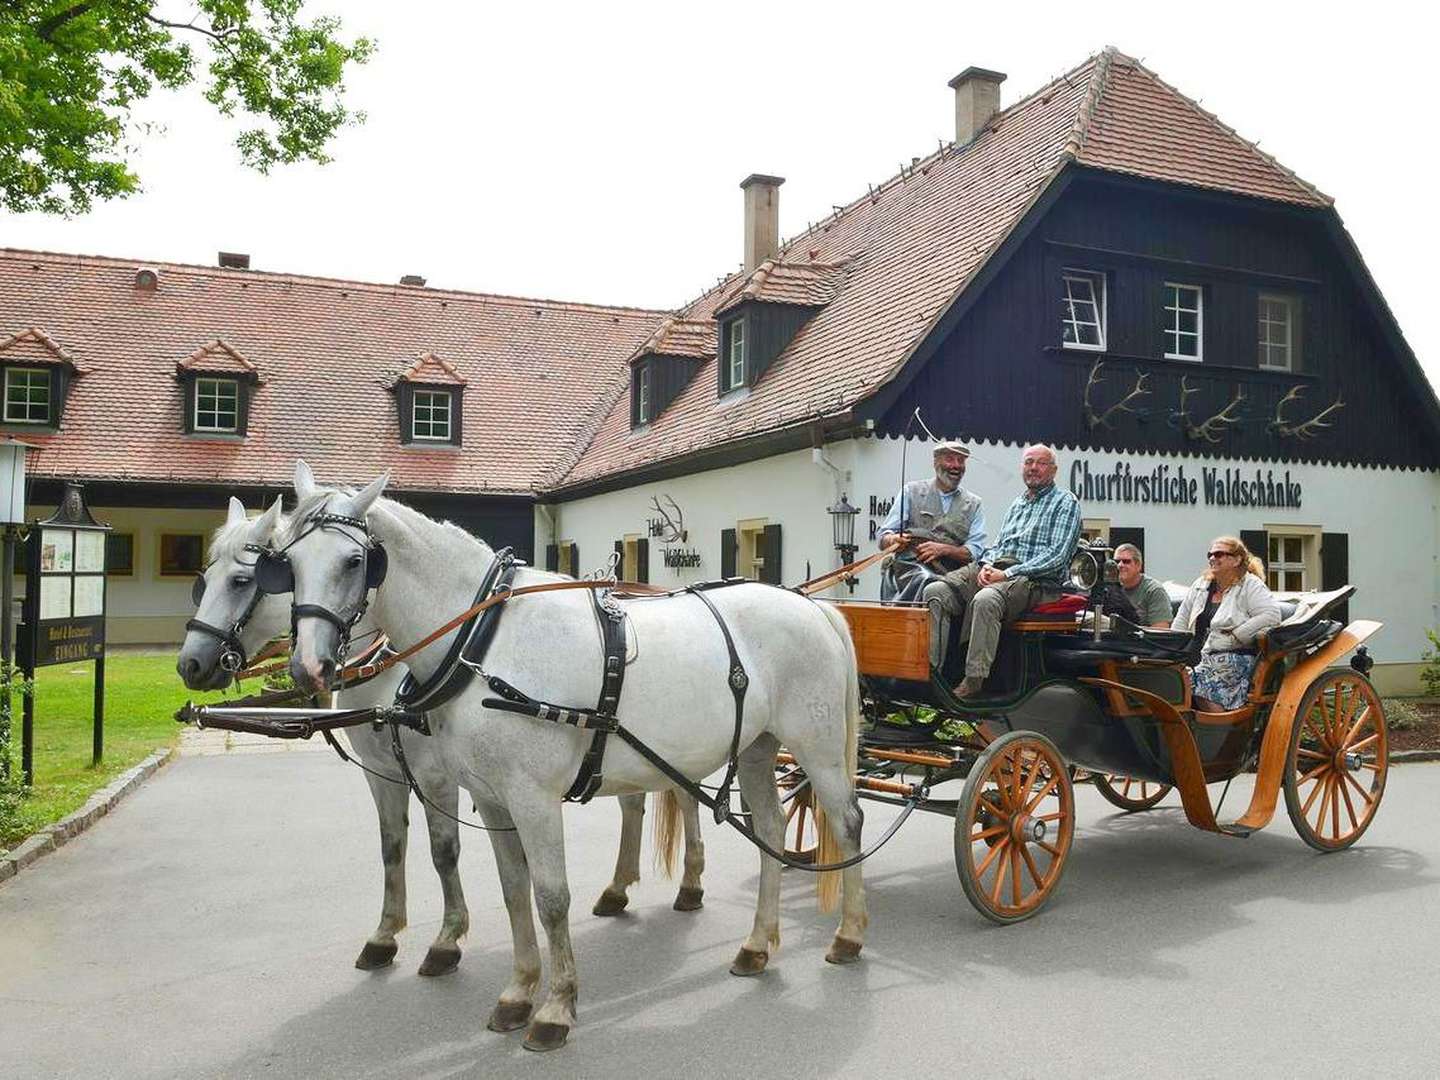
column 1245, row 609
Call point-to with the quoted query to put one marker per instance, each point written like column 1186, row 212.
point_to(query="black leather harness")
column 232, row 653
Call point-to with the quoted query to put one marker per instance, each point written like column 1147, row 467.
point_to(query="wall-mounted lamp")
column 842, row 519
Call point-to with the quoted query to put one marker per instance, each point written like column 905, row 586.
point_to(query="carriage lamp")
column 842, row 520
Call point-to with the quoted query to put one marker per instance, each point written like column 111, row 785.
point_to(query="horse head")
column 329, row 562
column 232, row 618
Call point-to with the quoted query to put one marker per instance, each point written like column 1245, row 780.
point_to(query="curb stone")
column 1400, row 757
column 72, row 825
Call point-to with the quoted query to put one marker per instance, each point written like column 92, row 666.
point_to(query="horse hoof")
column 440, row 960
column 509, row 1016
column 610, row 903
column 374, row 957
column 843, row 951
column 689, row 899
column 749, row 962
column 544, row 1036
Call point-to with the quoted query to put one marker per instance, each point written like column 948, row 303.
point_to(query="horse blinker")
column 274, row 574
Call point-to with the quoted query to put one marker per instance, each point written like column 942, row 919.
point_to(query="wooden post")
column 7, row 649
column 98, row 752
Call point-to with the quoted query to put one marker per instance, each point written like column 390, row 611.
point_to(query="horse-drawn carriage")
column 1071, row 688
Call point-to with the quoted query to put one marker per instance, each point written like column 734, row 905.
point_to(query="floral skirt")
column 1223, row 678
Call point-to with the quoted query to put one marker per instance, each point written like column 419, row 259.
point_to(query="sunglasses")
column 1124, row 560
column 1219, row 554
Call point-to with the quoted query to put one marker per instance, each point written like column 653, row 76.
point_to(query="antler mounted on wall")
column 1094, row 419
column 1309, row 428
column 1211, row 429
column 671, row 529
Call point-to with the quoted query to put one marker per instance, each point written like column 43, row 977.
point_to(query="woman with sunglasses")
column 1230, row 604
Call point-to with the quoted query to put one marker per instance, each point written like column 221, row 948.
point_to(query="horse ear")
column 304, row 480
column 236, row 511
column 265, row 523
column 367, row 495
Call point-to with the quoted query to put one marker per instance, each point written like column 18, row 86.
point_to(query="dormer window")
column 431, row 420
column 217, row 405
column 1082, row 311
column 734, row 352
column 429, row 395
column 27, row 396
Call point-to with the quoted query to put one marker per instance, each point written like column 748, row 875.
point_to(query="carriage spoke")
column 1050, row 786
column 1030, row 778
column 1336, row 788
column 995, row 851
column 1000, row 875
column 1030, row 865
column 1056, row 816
column 1369, row 798
column 1051, row 848
column 1354, row 728
column 994, row 830
column 1319, row 786
column 1015, row 875
column 1310, row 727
column 1349, row 806
column 1324, row 764
column 1324, row 803
column 1310, row 754
column 1369, row 740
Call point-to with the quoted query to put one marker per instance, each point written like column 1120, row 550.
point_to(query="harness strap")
column 739, row 682
column 612, row 642
column 414, row 784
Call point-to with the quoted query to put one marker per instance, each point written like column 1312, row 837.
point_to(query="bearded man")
column 945, row 523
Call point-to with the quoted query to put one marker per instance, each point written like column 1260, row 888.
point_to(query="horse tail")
column 666, row 831
column 827, row 885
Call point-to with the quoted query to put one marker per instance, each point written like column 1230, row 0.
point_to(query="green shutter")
column 1258, row 541
column 770, row 572
column 728, row 547
column 187, row 395
column 1335, row 568
column 552, row 557
column 405, row 402
column 574, row 560
column 457, row 414
column 243, row 391
column 642, row 560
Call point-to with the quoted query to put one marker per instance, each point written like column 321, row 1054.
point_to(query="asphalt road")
column 208, row 926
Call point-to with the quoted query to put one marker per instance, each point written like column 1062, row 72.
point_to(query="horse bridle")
column 275, row 574
column 232, row 652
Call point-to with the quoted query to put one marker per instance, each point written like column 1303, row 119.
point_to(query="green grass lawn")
column 142, row 693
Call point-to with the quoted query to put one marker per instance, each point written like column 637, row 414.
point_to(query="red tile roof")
column 910, row 247
column 218, row 358
column 329, row 352
column 431, row 370
column 692, row 338
column 777, row 281
column 33, row 346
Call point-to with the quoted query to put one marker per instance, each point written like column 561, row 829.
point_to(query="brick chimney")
column 977, row 99
column 762, row 218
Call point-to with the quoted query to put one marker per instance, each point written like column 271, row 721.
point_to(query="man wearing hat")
column 946, row 523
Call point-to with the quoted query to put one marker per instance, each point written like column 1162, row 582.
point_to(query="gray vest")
column 922, row 498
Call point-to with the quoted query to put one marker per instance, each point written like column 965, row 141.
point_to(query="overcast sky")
column 594, row 151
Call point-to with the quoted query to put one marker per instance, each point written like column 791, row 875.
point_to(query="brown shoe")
column 969, row 687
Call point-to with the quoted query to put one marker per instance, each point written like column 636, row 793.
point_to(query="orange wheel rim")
column 1020, row 824
column 1340, row 761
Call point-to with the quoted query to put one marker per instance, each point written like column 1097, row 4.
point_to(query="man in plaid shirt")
column 1029, row 558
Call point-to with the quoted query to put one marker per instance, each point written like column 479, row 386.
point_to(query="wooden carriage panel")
column 890, row 641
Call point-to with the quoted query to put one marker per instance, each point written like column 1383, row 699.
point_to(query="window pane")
column 1294, row 581
column 431, row 417
column 217, row 404
column 1293, row 549
column 180, row 553
column 1274, row 550
column 1080, row 317
column 119, row 553
column 27, row 396
column 1273, row 580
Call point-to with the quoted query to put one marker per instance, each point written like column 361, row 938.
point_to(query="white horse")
column 231, row 605
column 802, row 691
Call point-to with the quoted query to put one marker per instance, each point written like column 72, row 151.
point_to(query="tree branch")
column 46, row 30
column 213, row 35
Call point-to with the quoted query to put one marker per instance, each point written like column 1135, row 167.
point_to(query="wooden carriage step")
column 911, row 757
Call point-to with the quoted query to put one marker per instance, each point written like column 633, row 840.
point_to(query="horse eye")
column 241, row 581
column 355, row 560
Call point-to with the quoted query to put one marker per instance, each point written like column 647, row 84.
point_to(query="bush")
column 1401, row 715
column 12, row 781
column 1430, row 673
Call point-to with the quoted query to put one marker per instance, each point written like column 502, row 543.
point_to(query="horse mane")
column 316, row 501
column 229, row 540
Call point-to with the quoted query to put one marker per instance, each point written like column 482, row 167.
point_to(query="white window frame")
column 1098, row 301
column 1266, row 346
column 1172, row 321
column 28, row 403
column 1095, row 529
column 215, row 409
column 1308, row 565
column 642, row 393
column 433, row 398
column 736, row 357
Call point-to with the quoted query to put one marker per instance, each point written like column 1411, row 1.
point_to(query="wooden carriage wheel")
column 1338, row 759
column 1014, row 826
column 1130, row 793
column 802, row 840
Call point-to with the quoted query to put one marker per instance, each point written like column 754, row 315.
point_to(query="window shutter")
column 727, row 553
column 620, row 560
column 552, row 557
column 1335, row 567
column 642, row 560
column 770, row 572
column 457, row 414
column 1258, row 541
column 59, row 385
column 405, row 401
column 574, row 560
column 187, row 394
column 1120, row 536
column 242, row 407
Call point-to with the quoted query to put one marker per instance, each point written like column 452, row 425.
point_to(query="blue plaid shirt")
column 1041, row 530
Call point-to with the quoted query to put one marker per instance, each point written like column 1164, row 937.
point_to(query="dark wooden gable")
column 769, row 328
column 669, row 375
column 1000, row 371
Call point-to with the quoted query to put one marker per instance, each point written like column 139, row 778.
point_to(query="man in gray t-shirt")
column 1147, row 594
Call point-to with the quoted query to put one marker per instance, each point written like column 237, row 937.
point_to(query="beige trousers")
column 985, row 610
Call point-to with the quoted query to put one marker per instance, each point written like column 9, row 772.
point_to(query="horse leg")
column 512, row 1010
column 441, row 807
column 835, row 795
column 690, row 897
column 756, row 773
column 627, row 864
column 392, row 807
column 542, row 832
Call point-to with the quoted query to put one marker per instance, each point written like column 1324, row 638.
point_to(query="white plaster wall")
column 1392, row 518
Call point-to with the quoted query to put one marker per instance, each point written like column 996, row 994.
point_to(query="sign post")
column 65, row 606
column 12, row 513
